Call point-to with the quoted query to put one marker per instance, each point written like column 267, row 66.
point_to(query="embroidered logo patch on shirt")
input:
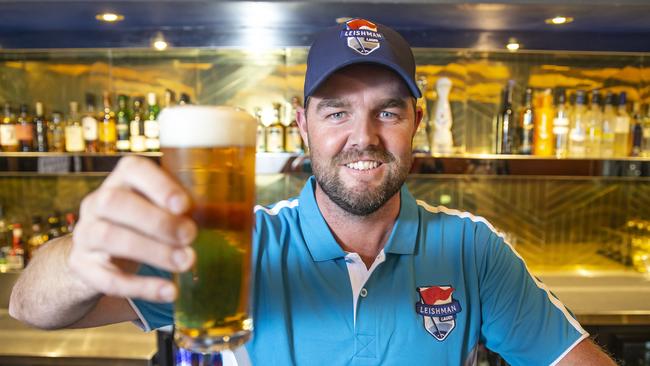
column 362, row 35
column 439, row 309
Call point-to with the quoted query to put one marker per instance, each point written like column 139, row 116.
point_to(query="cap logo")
column 362, row 36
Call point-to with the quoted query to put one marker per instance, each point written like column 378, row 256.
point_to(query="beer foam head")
column 206, row 126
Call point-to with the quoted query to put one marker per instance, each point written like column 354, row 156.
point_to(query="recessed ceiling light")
column 109, row 17
column 159, row 42
column 559, row 20
column 513, row 45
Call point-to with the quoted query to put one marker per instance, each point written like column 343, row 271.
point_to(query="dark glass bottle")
column 527, row 124
column 40, row 128
column 123, row 121
column 506, row 129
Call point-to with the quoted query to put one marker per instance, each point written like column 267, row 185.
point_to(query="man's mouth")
column 363, row 164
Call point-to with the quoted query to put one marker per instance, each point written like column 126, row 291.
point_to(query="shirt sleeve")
column 521, row 319
column 153, row 315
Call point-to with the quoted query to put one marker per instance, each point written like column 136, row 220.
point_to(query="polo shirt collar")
column 321, row 242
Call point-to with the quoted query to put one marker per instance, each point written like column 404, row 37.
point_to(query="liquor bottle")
column 543, row 144
column 37, row 239
column 151, row 126
column 261, row 131
column 608, row 125
column 74, row 137
column 275, row 131
column 90, row 125
column 527, row 123
column 292, row 138
column 54, row 225
column 422, row 140
column 622, row 128
column 5, row 242
column 645, row 125
column 594, row 126
column 578, row 133
column 107, row 129
column 24, row 130
column 123, row 143
column 561, row 125
column 136, row 129
column 170, row 98
column 56, row 133
column 41, row 130
column 8, row 139
column 637, row 130
column 70, row 221
column 184, row 99
column 505, row 130
column 443, row 142
column 17, row 258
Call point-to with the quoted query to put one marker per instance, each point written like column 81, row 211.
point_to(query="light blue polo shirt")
column 447, row 283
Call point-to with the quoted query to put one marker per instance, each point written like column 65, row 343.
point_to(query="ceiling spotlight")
column 513, row 45
column 559, row 20
column 159, row 42
column 109, row 17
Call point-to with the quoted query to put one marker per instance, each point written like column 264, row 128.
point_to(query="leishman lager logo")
column 438, row 309
column 362, row 36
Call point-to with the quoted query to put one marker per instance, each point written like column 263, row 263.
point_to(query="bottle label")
column 123, row 145
column 138, row 143
column 151, row 129
column 122, row 132
column 24, row 133
column 622, row 125
column 560, row 126
column 274, row 139
column 107, row 133
column 136, row 129
column 74, row 139
column 8, row 135
column 261, row 139
column 293, row 139
column 89, row 124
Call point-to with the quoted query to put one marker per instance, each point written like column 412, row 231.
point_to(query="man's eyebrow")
column 392, row 103
column 332, row 103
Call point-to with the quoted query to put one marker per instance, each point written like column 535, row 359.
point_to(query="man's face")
column 359, row 126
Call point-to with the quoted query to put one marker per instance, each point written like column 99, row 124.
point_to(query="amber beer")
column 211, row 152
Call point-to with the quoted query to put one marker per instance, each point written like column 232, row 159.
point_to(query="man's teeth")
column 363, row 165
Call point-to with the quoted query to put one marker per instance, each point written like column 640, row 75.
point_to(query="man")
column 353, row 271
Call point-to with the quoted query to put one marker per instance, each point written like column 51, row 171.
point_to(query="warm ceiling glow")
column 512, row 45
column 559, row 20
column 109, row 17
column 160, row 45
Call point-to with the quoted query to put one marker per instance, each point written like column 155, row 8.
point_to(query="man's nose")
column 364, row 132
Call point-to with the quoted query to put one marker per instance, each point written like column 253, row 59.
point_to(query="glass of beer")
column 211, row 151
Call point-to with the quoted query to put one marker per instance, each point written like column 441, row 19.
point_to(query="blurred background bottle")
column 24, row 130
column 107, row 129
column 56, row 133
column 40, row 129
column 123, row 143
column 422, row 138
column 527, row 123
column 561, row 124
column 74, row 139
column 594, row 126
column 8, row 139
column 608, row 126
column 89, row 124
column 151, row 127
column 578, row 132
column 136, row 130
column 544, row 124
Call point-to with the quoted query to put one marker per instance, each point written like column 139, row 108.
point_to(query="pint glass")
column 211, row 152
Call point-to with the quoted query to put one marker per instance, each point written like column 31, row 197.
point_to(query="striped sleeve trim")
column 554, row 300
column 278, row 206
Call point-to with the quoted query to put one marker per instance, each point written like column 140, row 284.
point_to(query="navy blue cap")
column 359, row 41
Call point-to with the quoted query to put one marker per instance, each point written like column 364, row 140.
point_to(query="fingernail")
column 177, row 203
column 181, row 257
column 186, row 232
column 167, row 292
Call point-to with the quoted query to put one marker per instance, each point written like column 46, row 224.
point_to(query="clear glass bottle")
column 90, row 124
column 608, row 125
column 594, row 126
column 561, row 124
column 578, row 133
column 422, row 138
column 56, row 133
column 622, row 128
column 527, row 123
column 151, row 126
column 136, row 129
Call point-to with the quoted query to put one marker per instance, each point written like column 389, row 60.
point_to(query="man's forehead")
column 360, row 77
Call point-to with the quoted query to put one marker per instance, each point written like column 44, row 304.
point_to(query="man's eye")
column 386, row 114
column 336, row 115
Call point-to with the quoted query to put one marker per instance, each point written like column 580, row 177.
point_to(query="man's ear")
column 301, row 119
column 419, row 113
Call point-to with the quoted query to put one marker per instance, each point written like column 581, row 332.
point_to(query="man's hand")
column 134, row 217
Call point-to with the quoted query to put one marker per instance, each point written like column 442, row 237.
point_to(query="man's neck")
column 364, row 235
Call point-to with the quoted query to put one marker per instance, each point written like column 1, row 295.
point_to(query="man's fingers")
column 124, row 207
column 117, row 241
column 113, row 282
column 150, row 180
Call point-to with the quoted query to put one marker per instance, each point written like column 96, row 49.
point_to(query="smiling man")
column 353, row 271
